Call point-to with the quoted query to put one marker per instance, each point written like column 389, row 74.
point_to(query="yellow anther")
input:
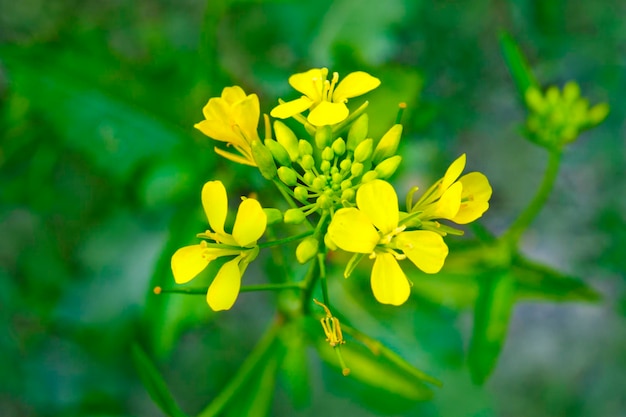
column 331, row 326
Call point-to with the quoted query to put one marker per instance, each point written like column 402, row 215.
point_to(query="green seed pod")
column 328, row 154
column 273, row 215
column 294, row 216
column 388, row 145
column 307, row 162
column 307, row 250
column 288, row 176
column 304, row 147
column 301, row 194
column 363, row 151
column 369, row 176
column 388, row 167
column 358, row 132
column 323, row 136
column 263, row 159
column 280, row 154
column 339, row 146
column 287, row 139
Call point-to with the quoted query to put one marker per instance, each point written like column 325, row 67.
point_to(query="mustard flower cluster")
column 336, row 175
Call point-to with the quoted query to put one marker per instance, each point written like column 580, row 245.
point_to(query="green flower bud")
column 294, row 216
column 356, row 169
column 328, row 154
column 348, row 195
column 329, row 242
column 324, row 201
column 597, row 113
column 571, row 91
column 337, row 178
column 309, row 177
column 288, row 176
column 304, row 147
column 263, row 159
column 334, row 170
column 369, row 176
column 307, row 162
column 358, row 132
column 273, row 215
column 535, row 100
column 553, row 96
column 301, row 194
column 287, row 139
column 307, row 250
column 323, row 136
column 319, row 183
column 339, row 146
column 363, row 151
column 345, row 164
column 280, row 154
column 388, row 167
column 388, row 144
column 345, row 184
column 325, row 166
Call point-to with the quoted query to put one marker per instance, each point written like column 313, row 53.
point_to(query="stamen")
column 333, row 83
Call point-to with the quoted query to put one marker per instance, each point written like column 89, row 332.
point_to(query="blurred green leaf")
column 294, row 369
column 491, row 319
column 517, row 64
column 154, row 383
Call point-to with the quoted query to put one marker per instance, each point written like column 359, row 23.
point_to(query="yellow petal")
column 378, row 200
column 291, row 108
column 250, row 222
column 327, row 113
column 389, row 284
column 220, row 131
column 474, row 199
column 310, row 83
column 355, row 84
column 233, row 94
column 188, row 262
column 216, row 109
column 246, row 115
column 224, row 289
column 453, row 172
column 215, row 203
column 424, row 248
column 352, row 231
column 449, row 203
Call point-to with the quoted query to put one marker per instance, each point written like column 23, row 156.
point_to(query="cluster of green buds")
column 556, row 117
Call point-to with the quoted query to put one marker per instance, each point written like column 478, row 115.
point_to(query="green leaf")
column 294, row 369
column 517, row 64
column 539, row 282
column 491, row 319
column 154, row 383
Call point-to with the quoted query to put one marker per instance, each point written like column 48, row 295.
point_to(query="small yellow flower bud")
column 535, row 100
column 288, row 176
column 388, row 144
column 309, row 177
column 363, row 151
column 328, row 154
column 307, row 162
column 263, row 159
column 325, row 166
column 307, row 249
column 329, row 242
column 287, row 138
column 319, row 183
column 358, row 132
column 294, row 216
column 369, row 176
column 324, row 201
column 278, row 152
column 323, row 136
column 339, row 146
column 388, row 167
column 348, row 194
column 273, row 215
column 301, row 194
column 305, row 147
column 345, row 164
column 356, row 169
column 598, row 113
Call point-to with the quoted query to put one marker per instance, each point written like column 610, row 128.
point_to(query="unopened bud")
column 307, row 162
column 307, row 249
column 278, row 152
column 304, row 147
column 294, row 216
column 388, row 144
column 339, row 146
column 263, row 159
column 288, row 176
column 287, row 139
column 301, row 194
column 273, row 215
column 358, row 132
column 323, row 136
column 328, row 154
column 369, row 176
column 363, row 151
column 388, row 167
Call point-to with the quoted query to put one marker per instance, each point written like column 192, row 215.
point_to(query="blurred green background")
column 100, row 173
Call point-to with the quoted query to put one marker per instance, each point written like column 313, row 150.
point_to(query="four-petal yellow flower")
column 232, row 118
column 324, row 99
column 374, row 227
column 249, row 226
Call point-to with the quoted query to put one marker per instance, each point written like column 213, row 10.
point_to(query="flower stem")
column 528, row 215
column 244, row 288
column 284, row 240
column 245, row 372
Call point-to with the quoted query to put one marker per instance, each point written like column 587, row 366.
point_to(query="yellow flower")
column 461, row 200
column 232, row 118
column 249, row 226
column 374, row 228
column 324, row 99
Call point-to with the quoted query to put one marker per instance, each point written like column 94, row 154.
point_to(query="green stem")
column 245, row 372
column 244, row 288
column 317, row 269
column 528, row 215
column 321, row 260
column 284, row 240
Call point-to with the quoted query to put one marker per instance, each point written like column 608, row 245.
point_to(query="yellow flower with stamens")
column 461, row 200
column 232, row 118
column 374, row 227
column 325, row 100
column 249, row 226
